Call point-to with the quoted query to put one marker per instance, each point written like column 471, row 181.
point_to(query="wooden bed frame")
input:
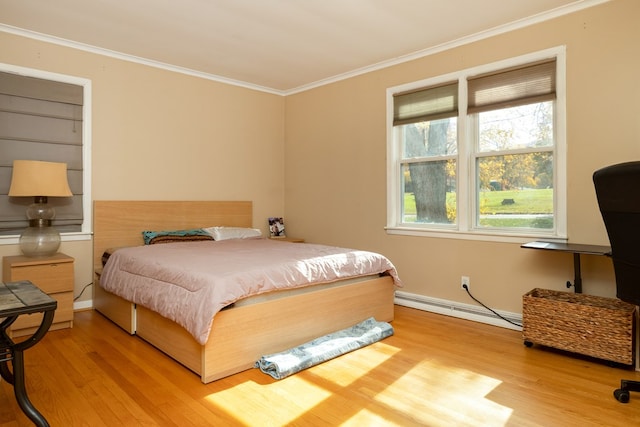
column 240, row 335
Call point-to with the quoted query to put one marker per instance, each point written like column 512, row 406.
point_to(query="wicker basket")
column 590, row 325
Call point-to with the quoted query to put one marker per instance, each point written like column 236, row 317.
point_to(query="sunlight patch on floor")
column 350, row 367
column 448, row 395
column 368, row 418
column 291, row 398
column 283, row 401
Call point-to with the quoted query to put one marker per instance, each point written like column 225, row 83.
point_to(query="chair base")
column 626, row 386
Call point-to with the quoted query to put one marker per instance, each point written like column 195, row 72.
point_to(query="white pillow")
column 226, row 233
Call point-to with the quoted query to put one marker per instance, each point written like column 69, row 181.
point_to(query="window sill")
column 482, row 236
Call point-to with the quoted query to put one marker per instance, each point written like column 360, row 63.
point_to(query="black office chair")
column 618, row 192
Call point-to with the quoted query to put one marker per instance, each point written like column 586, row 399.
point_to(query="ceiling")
column 280, row 46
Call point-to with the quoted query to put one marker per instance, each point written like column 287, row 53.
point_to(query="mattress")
column 190, row 282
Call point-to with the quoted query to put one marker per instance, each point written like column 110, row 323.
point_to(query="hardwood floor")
column 435, row 371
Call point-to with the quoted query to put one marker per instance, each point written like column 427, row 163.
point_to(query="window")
column 480, row 152
column 45, row 116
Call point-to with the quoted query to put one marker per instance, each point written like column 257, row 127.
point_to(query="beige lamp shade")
column 32, row 178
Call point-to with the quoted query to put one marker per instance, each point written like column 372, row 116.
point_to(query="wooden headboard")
column 120, row 223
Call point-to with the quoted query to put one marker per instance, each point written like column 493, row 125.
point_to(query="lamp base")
column 39, row 241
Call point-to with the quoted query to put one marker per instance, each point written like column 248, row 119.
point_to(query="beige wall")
column 335, row 159
column 164, row 135
column 161, row 135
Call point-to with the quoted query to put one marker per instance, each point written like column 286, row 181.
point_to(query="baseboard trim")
column 457, row 309
column 83, row 305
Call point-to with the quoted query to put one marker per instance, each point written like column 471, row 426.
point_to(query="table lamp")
column 39, row 180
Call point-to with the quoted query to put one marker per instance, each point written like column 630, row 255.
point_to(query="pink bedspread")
column 190, row 282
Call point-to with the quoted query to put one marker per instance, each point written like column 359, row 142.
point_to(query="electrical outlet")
column 465, row 283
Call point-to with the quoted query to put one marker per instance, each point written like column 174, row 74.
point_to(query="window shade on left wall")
column 40, row 120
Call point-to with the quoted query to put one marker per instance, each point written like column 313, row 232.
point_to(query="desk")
column 18, row 298
column 576, row 250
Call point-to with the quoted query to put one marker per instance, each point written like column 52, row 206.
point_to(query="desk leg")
column 577, row 275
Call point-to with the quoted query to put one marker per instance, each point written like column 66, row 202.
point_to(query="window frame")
column 86, row 229
column 466, row 154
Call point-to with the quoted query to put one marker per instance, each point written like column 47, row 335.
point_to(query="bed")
column 241, row 333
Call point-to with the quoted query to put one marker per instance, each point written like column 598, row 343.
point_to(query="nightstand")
column 288, row 239
column 54, row 275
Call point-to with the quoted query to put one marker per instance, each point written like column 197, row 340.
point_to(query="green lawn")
column 525, row 202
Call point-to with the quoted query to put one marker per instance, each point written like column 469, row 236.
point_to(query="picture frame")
column 276, row 227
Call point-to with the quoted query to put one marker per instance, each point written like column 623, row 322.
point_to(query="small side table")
column 18, row 298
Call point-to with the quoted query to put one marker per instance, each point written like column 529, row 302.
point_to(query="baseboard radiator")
column 475, row 313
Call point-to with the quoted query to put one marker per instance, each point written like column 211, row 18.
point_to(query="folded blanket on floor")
column 288, row 362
